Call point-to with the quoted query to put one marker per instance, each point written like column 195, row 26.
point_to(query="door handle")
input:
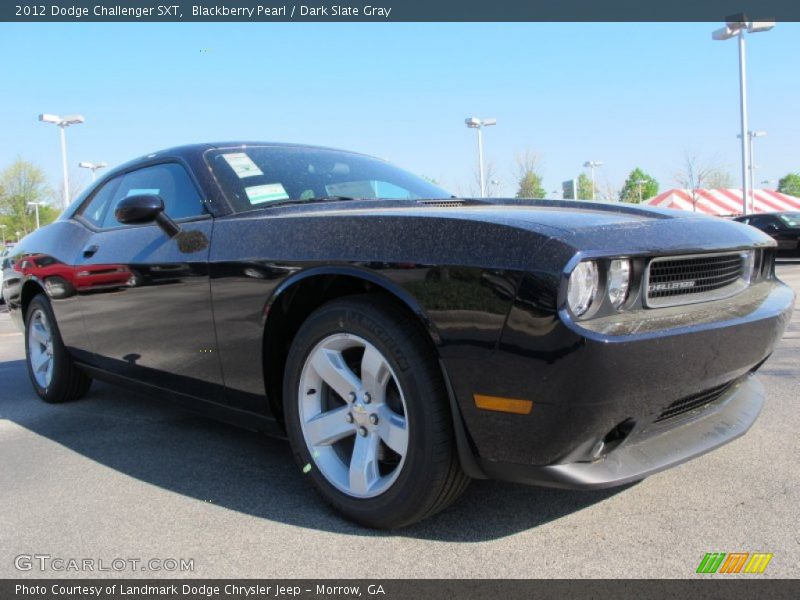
column 89, row 251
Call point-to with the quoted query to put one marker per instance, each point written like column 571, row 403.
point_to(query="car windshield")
column 254, row 177
column 790, row 219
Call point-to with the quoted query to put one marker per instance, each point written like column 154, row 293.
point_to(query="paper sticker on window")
column 242, row 165
column 142, row 192
column 259, row 194
column 352, row 189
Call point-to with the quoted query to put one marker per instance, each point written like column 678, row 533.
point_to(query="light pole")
column 3, row 230
column 751, row 167
column 736, row 27
column 640, row 183
column 18, row 237
column 63, row 123
column 36, row 205
column 93, row 166
column 591, row 164
column 479, row 124
column 753, row 135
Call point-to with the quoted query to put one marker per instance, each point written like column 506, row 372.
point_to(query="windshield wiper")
column 314, row 200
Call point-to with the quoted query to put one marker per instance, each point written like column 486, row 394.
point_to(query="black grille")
column 694, row 275
column 688, row 403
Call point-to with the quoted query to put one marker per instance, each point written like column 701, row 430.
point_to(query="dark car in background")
column 404, row 340
column 783, row 227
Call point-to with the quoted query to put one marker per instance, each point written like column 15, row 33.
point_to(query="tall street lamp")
column 3, row 230
column 591, row 164
column 736, row 27
column 479, row 124
column 751, row 167
column 753, row 135
column 93, row 166
column 63, row 123
column 36, row 205
column 640, row 183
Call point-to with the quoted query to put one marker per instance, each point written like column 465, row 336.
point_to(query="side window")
column 776, row 223
column 170, row 181
column 765, row 223
column 96, row 209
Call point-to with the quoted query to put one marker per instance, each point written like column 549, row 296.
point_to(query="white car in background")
column 5, row 262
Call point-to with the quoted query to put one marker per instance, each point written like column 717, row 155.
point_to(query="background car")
column 783, row 227
column 402, row 339
column 5, row 263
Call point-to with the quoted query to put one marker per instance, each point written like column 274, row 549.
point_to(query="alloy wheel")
column 353, row 415
column 40, row 348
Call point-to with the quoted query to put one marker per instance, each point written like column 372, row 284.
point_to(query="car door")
column 145, row 296
column 784, row 235
column 775, row 228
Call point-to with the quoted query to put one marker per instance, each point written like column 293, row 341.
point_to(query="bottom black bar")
column 704, row 586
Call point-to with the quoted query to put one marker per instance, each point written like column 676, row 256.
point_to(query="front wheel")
column 51, row 369
column 367, row 414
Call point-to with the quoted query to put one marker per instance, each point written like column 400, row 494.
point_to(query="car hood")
column 594, row 226
column 510, row 234
column 555, row 215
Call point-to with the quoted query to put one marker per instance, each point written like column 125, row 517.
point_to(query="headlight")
column 582, row 287
column 619, row 279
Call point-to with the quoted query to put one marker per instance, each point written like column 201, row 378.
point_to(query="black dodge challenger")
column 404, row 340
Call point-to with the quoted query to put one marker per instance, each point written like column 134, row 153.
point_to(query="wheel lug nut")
column 352, row 396
column 367, row 398
column 362, row 431
column 349, row 418
column 373, row 419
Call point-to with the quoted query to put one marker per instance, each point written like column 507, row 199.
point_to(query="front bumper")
column 585, row 384
column 651, row 449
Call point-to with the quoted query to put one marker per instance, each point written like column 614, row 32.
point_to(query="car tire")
column 384, row 457
column 52, row 371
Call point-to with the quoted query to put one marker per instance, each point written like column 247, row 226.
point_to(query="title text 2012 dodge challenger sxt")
column 404, row 340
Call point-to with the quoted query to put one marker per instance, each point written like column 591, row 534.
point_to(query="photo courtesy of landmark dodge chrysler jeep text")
column 403, row 339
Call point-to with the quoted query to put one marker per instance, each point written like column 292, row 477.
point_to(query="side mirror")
column 772, row 227
column 146, row 208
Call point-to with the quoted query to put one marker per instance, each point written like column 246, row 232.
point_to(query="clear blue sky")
column 627, row 94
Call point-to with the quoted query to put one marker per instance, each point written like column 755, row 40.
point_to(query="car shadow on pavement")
column 149, row 439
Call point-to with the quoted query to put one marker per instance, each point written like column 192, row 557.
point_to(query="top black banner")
column 398, row 10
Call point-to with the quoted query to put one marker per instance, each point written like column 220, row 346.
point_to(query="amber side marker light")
column 507, row 405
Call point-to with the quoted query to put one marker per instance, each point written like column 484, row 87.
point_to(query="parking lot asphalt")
column 123, row 475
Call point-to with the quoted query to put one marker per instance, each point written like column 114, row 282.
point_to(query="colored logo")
column 734, row 562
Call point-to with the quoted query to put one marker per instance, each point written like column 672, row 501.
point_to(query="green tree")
column 790, row 184
column 528, row 177
column 639, row 186
column 530, row 186
column 584, row 187
column 20, row 183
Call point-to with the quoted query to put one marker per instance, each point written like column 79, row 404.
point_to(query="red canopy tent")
column 723, row 202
